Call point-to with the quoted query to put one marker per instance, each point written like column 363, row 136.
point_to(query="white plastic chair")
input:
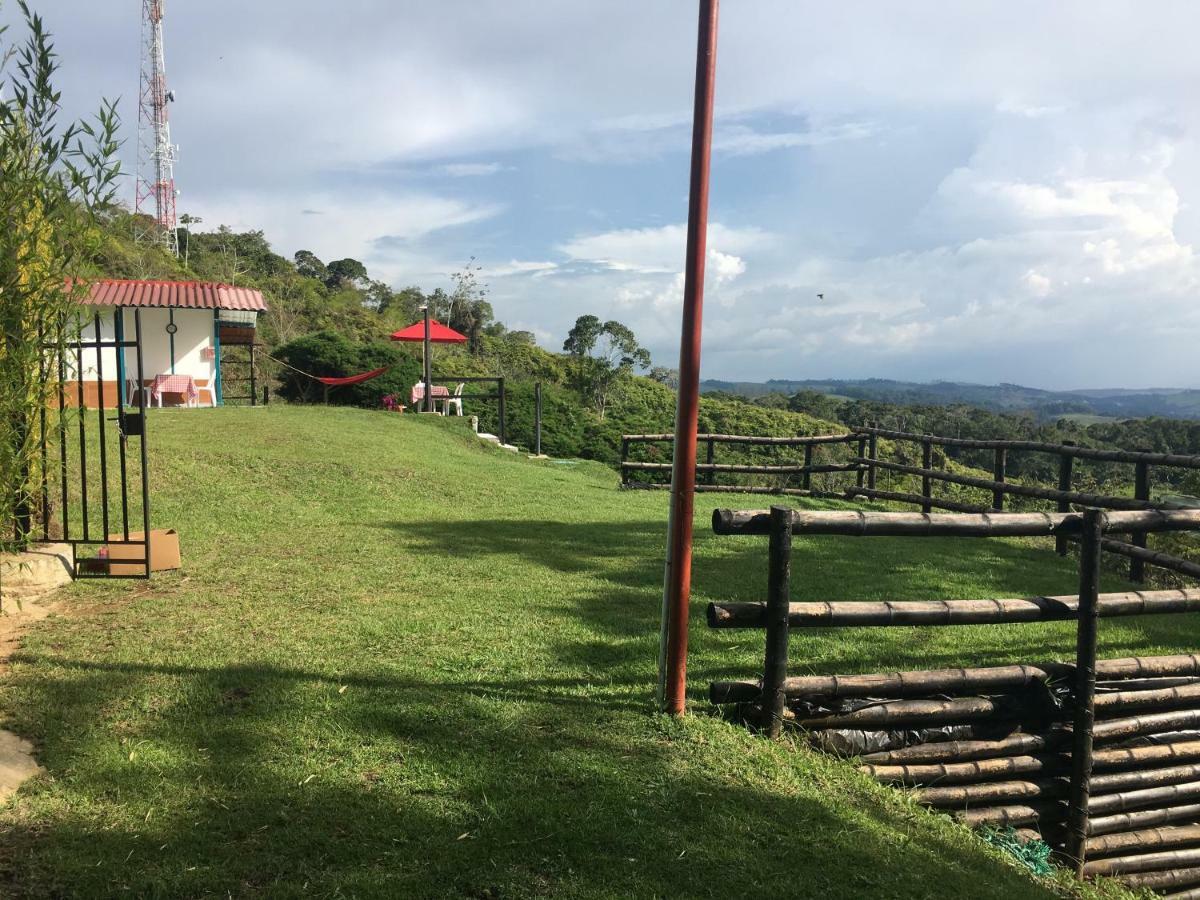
column 455, row 401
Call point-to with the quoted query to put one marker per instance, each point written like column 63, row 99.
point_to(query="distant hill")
column 1173, row 403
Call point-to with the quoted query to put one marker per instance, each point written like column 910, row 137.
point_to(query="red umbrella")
column 429, row 331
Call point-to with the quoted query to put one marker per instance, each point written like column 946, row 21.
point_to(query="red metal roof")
column 174, row 295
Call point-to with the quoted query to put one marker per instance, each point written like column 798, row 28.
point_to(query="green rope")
column 1033, row 855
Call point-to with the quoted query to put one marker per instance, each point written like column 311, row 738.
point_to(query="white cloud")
column 470, row 170
column 533, row 268
column 660, row 250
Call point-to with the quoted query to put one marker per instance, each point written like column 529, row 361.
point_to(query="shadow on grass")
column 277, row 782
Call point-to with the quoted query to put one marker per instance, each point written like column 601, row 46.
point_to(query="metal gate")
column 101, row 503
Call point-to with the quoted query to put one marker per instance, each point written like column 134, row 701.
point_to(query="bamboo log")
column 1148, row 666
column 898, row 497
column 1084, row 689
column 1155, row 459
column 897, row 685
column 1146, row 778
column 732, row 468
column 738, row 489
column 1162, row 880
column 911, row 712
column 961, row 751
column 1016, row 814
column 1024, row 490
column 1112, row 730
column 858, row 523
column 1146, row 818
column 778, row 591
column 1146, row 838
column 1105, row 760
column 1149, row 798
column 1189, row 894
column 847, row 613
column 1163, row 698
column 995, row 792
column 1153, row 558
column 1144, row 862
column 960, row 773
column 750, row 439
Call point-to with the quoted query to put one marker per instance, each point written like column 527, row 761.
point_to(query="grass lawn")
column 399, row 662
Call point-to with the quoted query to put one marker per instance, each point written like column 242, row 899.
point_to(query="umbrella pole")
column 428, row 368
column 673, row 641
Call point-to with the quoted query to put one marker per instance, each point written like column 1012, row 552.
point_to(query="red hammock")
column 352, row 379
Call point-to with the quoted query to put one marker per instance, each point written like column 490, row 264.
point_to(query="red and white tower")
column 155, row 192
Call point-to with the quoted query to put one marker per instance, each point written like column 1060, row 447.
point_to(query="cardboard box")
column 164, row 552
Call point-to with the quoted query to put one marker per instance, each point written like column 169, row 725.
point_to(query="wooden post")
column 778, row 599
column 266, row 395
column 1065, row 464
column 999, row 473
column 861, row 476
column 427, row 401
column 710, row 456
column 926, row 479
column 537, row 420
column 253, row 382
column 872, row 454
column 1141, row 490
column 1084, row 688
column 503, row 420
column 808, row 461
column 624, row 459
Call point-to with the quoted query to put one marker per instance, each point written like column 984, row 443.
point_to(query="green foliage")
column 52, row 177
column 1033, row 855
column 330, row 354
column 605, row 353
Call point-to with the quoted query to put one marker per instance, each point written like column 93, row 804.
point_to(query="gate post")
column 1137, row 567
column 1084, row 688
column 1065, row 463
column 778, row 598
column 1000, row 474
column 926, row 479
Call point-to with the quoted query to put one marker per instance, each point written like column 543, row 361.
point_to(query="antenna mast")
column 156, row 153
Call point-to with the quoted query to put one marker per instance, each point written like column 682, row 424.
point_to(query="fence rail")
column 856, row 476
column 1023, row 745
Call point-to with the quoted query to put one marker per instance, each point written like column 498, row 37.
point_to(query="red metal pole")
column 677, row 587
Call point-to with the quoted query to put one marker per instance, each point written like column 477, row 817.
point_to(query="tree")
column 605, row 353
column 345, row 273
column 665, row 375
column 308, row 265
column 469, row 312
column 54, row 178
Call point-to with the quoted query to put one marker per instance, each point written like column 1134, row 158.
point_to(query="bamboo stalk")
column 1112, row 730
column 1146, row 778
column 1016, row 814
column 965, row 772
column 892, row 685
column 1025, row 490
column 778, row 592
column 860, row 523
column 1160, row 880
column 910, row 712
column 744, row 469
column 899, row 497
column 1146, row 818
column 1171, row 836
column 1189, row 894
column 1143, row 756
column 797, row 441
column 1148, row 666
column 995, row 792
column 1144, row 862
column 1147, row 799
column 961, row 751
column 1129, row 701
column 1157, row 459
column 844, row 613
column 1153, row 558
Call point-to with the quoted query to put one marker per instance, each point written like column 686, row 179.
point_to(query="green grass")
column 399, row 662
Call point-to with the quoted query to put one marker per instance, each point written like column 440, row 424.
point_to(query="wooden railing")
column 794, row 477
column 1041, row 771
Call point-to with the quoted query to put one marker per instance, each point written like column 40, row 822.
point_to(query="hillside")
column 400, row 662
column 1175, row 403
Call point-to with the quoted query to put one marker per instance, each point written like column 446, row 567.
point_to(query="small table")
column 437, row 392
column 174, row 384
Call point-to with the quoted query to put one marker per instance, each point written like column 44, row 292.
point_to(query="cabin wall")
column 188, row 356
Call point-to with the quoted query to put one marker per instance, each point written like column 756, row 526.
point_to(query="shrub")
column 329, row 354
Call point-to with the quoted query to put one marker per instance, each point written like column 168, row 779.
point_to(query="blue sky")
column 984, row 191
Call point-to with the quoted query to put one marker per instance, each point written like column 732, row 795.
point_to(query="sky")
column 986, row 191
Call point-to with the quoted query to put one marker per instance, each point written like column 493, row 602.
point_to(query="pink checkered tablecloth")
column 174, row 384
column 437, row 391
